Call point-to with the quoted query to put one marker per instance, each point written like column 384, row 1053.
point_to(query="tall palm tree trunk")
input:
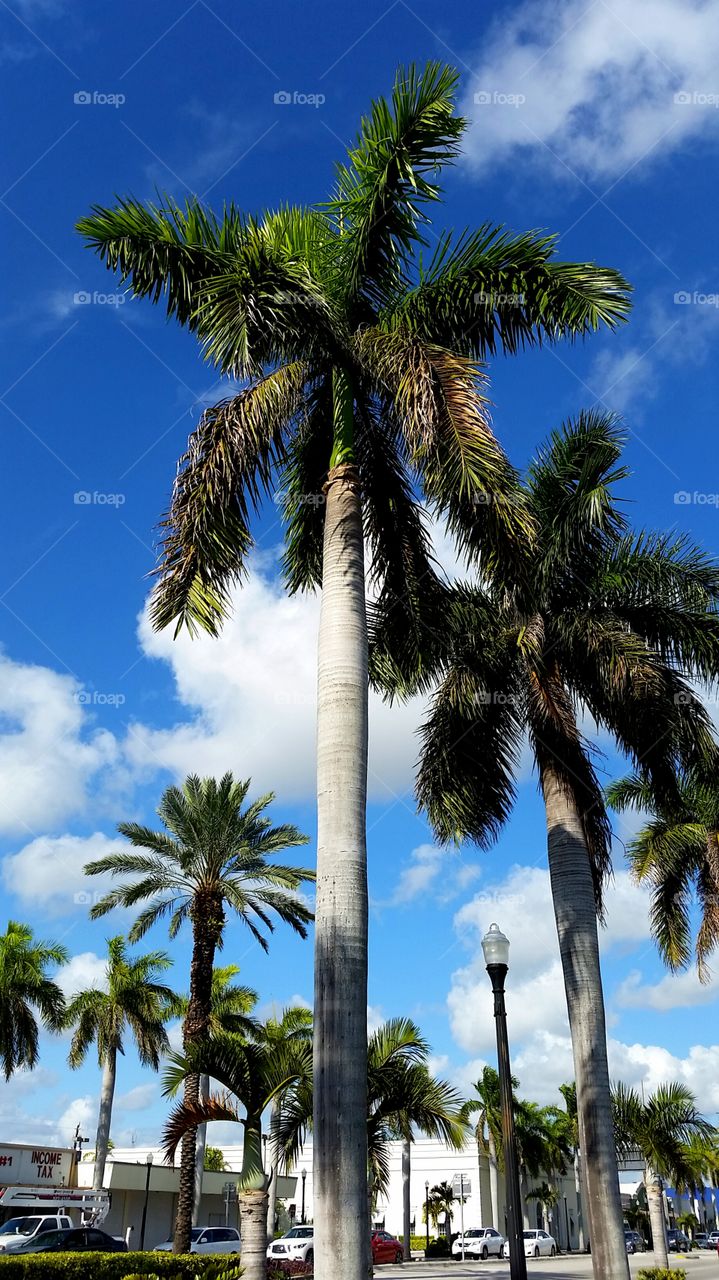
column 252, row 1197
column 406, row 1197
column 102, row 1139
column 493, row 1180
column 200, row 1145
column 576, row 919
column 274, row 1171
column 655, row 1205
column 340, row 999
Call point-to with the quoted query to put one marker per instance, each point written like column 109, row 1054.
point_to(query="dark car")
column 634, row 1242
column 386, row 1248
column 678, row 1241
column 73, row 1240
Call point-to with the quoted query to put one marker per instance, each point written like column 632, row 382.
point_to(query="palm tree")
column 253, row 1073
column 441, row 1200
column 661, row 1128
column 599, row 622
column 27, row 992
column 569, row 1093
column 294, row 1024
column 213, row 854
column 546, row 1195
column 134, row 1002
column 362, row 379
column 231, row 1006
column 677, row 854
column 487, row 1107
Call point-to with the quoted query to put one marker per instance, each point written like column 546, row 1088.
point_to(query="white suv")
column 479, row 1242
column 209, row 1240
column 297, row 1245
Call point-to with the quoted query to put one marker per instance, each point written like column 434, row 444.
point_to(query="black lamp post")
column 148, row 1162
column 304, row 1180
column 496, row 957
column 426, row 1210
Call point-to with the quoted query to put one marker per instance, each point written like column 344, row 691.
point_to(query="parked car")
column 634, row 1242
column 297, row 1244
column 537, row 1244
column 701, row 1240
column 678, row 1241
column 209, row 1240
column 479, row 1242
column 70, row 1240
column 714, row 1239
column 385, row 1248
column 17, row 1230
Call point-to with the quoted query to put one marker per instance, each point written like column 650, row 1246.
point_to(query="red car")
column 385, row 1248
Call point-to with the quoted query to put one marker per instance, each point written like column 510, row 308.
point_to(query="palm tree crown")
column 27, row 991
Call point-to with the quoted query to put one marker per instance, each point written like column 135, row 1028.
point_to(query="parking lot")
column 571, row 1267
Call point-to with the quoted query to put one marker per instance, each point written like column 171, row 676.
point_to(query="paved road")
column 571, row 1267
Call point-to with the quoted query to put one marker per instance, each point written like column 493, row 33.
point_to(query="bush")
column 438, row 1248
column 661, row 1273
column 117, row 1266
column 419, row 1242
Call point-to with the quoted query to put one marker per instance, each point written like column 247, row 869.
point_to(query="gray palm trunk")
column 200, row 1146
column 655, row 1205
column 274, row 1172
column 493, row 1179
column 104, row 1118
column 340, row 1002
column 576, row 919
column 252, row 1198
column 406, row 1198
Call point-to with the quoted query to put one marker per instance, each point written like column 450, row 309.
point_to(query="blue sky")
column 586, row 122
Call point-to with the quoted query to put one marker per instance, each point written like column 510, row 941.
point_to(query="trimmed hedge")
column 661, row 1273
column 118, row 1266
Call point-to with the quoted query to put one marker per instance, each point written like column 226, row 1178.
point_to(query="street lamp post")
column 304, row 1180
column 496, row 957
column 148, row 1162
column 426, row 1210
column 566, row 1222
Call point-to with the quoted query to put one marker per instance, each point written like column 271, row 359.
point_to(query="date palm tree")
column 252, row 1072
column 487, row 1107
column 133, row 1002
column 26, row 993
column 677, row 854
column 662, row 1128
column 213, row 856
column 231, row 1006
column 606, row 625
column 362, row 387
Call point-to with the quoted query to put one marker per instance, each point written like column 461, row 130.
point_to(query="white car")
column 296, row 1245
column 209, row 1240
column 479, row 1242
column 537, row 1244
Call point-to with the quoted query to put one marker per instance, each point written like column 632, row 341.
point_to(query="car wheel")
column 399, row 1256
column 536, row 1250
column 552, row 1252
column 310, row 1255
column 485, row 1253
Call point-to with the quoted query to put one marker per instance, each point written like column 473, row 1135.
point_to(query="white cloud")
column 594, row 84
column 375, row 1018
column 82, row 972
column 48, row 872
column 673, row 991
column 82, row 1112
column 444, row 870
column 45, row 764
column 139, row 1098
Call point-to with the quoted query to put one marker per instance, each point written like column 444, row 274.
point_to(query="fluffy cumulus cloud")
column 444, row 871
column 47, row 758
column 673, row 991
column 600, row 86
column 139, row 1098
column 82, row 972
column 47, row 873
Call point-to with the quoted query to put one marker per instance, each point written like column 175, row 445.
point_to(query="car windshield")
column 196, row 1233
column 20, row 1227
column 299, row 1233
column 43, row 1241
column 529, row 1235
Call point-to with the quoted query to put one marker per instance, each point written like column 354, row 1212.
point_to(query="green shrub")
column 117, row 1266
column 438, row 1248
column 661, row 1273
column 419, row 1242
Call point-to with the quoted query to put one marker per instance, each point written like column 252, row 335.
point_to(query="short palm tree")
column 26, row 993
column 253, row 1073
column 362, row 384
column 663, row 1128
column 232, row 1005
column 546, row 1194
column 133, row 1002
column 569, row 1093
column 441, row 1199
column 213, row 856
column 486, row 1111
column 294, row 1023
column 677, row 854
column 600, row 623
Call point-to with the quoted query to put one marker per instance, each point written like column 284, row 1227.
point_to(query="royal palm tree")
column 600, row 622
column 294, row 1023
column 362, row 382
column 252, row 1073
column 26, row 993
column 487, row 1107
column 677, row 854
column 213, row 856
column 133, row 1001
column 662, row 1127
column 230, row 1012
